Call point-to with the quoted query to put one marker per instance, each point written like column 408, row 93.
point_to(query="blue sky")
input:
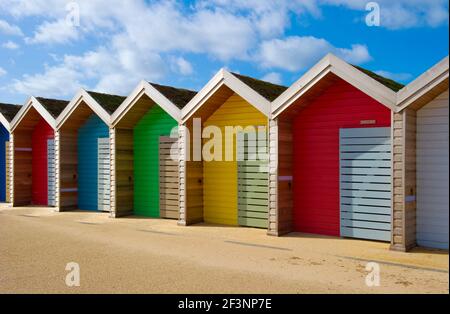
column 44, row 52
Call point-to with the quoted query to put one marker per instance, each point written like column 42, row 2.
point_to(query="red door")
column 316, row 153
column 41, row 133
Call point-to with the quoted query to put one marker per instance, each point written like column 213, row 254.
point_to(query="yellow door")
column 220, row 177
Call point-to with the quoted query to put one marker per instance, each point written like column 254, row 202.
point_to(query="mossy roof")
column 53, row 106
column 267, row 90
column 391, row 84
column 108, row 102
column 9, row 111
column 178, row 96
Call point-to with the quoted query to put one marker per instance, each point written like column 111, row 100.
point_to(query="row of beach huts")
column 348, row 153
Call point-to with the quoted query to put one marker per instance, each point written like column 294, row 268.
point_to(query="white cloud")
column 54, row 32
column 10, row 45
column 181, row 65
column 299, row 53
column 138, row 40
column 273, row 77
column 9, row 29
column 400, row 77
column 2, row 71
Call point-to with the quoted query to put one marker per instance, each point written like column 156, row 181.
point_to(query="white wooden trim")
column 423, row 84
column 147, row 89
column 81, row 96
column 5, row 122
column 347, row 72
column 33, row 102
column 221, row 78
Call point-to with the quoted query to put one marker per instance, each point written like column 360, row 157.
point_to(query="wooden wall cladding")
column 169, row 199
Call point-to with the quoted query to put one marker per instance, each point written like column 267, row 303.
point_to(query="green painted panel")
column 147, row 131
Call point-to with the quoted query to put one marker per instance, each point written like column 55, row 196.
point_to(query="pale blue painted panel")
column 366, row 186
column 366, row 217
column 366, row 198
column 365, row 132
column 366, row 234
column 366, row 148
column 366, row 179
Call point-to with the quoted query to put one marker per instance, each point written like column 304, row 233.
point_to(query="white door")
column 432, row 174
column 104, row 165
column 51, row 172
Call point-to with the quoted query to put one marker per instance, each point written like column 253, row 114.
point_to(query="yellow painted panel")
column 220, row 177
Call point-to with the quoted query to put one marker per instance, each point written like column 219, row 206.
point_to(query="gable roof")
column 239, row 84
column 434, row 81
column 7, row 113
column 109, row 102
column 366, row 81
column 103, row 105
column 47, row 108
column 178, row 96
column 53, row 106
column 268, row 90
column 169, row 98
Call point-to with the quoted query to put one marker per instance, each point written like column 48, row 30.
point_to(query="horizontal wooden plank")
column 366, row 234
column 366, row 194
column 366, row 186
column 366, row 217
column 365, row 132
column 365, row 201
column 366, row 179
column 366, row 156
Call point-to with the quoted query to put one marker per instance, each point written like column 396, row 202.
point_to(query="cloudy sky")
column 44, row 51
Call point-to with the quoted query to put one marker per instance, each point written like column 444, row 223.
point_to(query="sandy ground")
column 137, row 255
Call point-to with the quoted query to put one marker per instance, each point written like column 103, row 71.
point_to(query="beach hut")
column 421, row 161
column 83, row 152
column 33, row 152
column 221, row 188
column 144, row 132
column 7, row 113
column 332, row 153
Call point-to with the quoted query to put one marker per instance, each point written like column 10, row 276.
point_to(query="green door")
column 147, row 132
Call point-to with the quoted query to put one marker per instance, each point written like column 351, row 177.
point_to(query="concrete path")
column 139, row 255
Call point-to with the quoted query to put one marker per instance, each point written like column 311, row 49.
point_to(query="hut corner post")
column 112, row 181
column 273, row 179
column 57, row 171
column 404, row 181
column 11, row 169
column 182, row 133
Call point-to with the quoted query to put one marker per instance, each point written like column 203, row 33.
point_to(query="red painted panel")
column 41, row 133
column 316, row 153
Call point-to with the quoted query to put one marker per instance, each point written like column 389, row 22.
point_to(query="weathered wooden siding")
column 22, row 168
column 122, row 175
column 281, row 160
column 8, row 172
column 67, row 154
column 404, row 180
column 169, row 183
